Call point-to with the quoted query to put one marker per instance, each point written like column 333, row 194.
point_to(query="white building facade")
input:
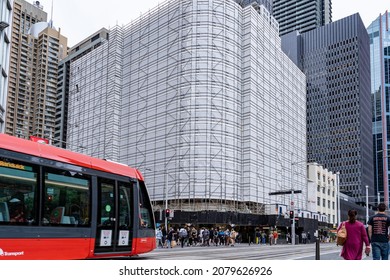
column 207, row 106
column 322, row 193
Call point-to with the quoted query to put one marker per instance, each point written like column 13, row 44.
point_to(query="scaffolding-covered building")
column 200, row 97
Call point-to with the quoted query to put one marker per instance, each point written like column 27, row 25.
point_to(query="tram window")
column 67, row 198
column 145, row 208
column 125, row 205
column 106, row 199
column 18, row 185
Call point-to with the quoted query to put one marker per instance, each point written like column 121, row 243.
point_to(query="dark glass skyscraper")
column 379, row 33
column 336, row 61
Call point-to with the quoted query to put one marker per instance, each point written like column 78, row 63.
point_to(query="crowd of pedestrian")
column 193, row 236
column 210, row 236
column 376, row 235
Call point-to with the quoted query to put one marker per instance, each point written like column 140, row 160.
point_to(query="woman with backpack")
column 183, row 236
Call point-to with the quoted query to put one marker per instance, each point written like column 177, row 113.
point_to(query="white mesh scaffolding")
column 210, row 107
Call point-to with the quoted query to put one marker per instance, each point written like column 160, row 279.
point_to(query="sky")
column 80, row 18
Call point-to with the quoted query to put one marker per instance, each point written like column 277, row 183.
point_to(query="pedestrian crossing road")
column 243, row 251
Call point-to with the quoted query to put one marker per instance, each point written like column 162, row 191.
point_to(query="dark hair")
column 352, row 215
column 381, row 207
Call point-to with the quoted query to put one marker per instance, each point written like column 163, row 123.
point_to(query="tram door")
column 114, row 219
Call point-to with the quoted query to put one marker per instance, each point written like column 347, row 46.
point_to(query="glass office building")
column 336, row 61
column 380, row 94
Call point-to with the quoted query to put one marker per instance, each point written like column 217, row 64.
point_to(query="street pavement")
column 328, row 251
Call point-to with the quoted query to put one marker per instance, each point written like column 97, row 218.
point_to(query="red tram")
column 57, row 204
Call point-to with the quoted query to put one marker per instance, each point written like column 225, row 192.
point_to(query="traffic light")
column 291, row 214
column 296, row 222
column 167, row 213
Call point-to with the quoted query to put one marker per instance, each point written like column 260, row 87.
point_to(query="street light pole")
column 291, row 209
column 292, row 198
column 367, row 217
column 338, row 199
column 166, row 199
column 292, row 205
column 293, row 221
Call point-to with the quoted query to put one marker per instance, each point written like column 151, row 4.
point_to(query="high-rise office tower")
column 20, row 86
column 379, row 33
column 336, row 61
column 211, row 110
column 266, row 3
column 5, row 37
column 76, row 52
column 94, row 100
column 301, row 15
column 36, row 48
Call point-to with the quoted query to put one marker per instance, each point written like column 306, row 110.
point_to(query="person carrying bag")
column 355, row 237
column 341, row 235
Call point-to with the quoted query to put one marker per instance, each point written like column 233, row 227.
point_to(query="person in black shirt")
column 378, row 233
